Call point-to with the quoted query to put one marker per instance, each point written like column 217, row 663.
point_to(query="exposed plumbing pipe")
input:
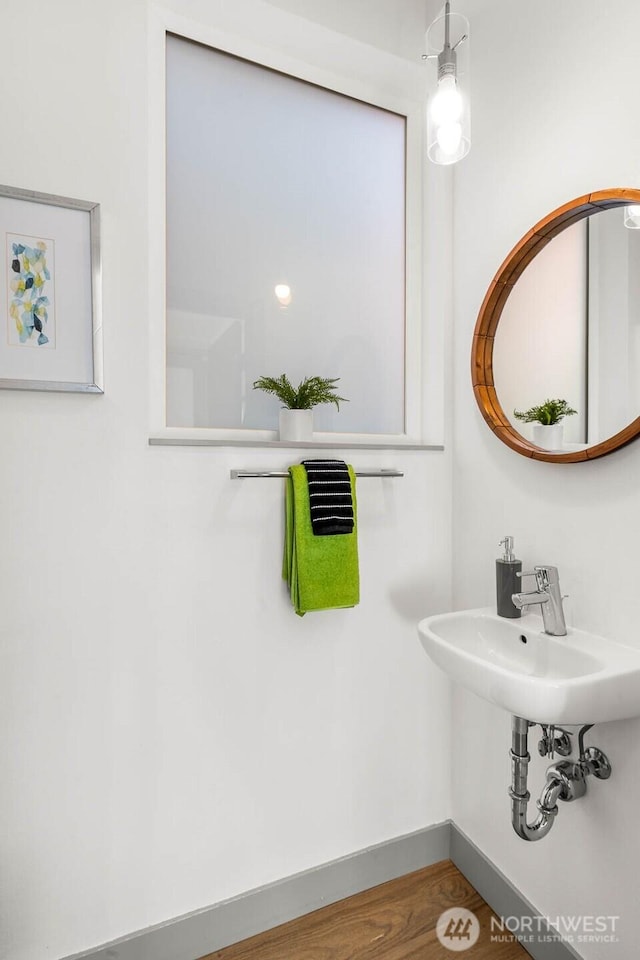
column 566, row 780
column 519, row 794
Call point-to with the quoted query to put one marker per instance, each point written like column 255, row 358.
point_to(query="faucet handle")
column 539, row 568
column 546, row 575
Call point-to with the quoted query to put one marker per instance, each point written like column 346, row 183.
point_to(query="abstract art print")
column 31, row 306
column 50, row 293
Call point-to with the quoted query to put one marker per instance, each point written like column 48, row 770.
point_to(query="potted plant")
column 296, row 415
column 547, row 419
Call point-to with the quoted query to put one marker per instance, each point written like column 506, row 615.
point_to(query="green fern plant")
column 547, row 413
column 310, row 392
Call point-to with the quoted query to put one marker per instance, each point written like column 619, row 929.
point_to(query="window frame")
column 165, row 23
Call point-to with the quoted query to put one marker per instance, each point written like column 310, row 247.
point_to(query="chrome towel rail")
column 246, row 474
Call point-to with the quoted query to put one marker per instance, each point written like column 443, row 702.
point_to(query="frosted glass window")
column 273, row 182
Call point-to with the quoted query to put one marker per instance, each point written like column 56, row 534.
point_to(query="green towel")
column 322, row 572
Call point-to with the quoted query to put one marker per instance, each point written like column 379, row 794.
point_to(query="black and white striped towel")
column 330, row 497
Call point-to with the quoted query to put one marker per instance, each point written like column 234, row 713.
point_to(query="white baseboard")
column 212, row 928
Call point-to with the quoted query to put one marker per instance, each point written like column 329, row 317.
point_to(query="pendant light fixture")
column 448, row 118
column 632, row 217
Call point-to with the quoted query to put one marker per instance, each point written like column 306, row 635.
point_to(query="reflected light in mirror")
column 283, row 294
column 632, row 217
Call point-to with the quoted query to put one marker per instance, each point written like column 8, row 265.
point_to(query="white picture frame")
column 50, row 317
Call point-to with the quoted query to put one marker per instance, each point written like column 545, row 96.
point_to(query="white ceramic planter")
column 296, row 425
column 548, row 437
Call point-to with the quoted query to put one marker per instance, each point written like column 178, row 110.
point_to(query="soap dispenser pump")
column 507, row 580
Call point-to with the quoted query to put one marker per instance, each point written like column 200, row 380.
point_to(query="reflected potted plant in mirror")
column 296, row 415
column 547, row 420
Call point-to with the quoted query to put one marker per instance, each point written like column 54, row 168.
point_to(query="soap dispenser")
column 507, row 580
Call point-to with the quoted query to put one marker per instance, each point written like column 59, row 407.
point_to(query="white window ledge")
column 192, row 441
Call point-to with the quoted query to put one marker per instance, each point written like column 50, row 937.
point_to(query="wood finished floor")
column 395, row 921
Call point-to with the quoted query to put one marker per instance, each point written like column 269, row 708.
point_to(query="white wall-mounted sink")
column 581, row 678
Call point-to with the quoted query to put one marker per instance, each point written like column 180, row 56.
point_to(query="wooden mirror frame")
column 493, row 305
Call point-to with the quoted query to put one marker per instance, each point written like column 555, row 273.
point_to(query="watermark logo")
column 584, row 928
column 457, row 929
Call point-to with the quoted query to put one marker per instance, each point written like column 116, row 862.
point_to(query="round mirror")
column 556, row 349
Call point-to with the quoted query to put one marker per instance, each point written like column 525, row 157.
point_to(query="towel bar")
column 245, row 474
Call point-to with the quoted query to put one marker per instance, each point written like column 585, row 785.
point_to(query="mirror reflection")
column 571, row 330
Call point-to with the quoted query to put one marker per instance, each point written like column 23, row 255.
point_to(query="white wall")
column 172, row 734
column 551, row 121
column 394, row 25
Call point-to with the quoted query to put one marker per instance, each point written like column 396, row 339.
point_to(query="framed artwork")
column 50, row 320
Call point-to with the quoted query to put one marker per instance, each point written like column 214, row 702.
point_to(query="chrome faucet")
column 547, row 596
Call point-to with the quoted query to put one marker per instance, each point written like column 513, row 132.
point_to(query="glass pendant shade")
column 632, row 217
column 448, row 115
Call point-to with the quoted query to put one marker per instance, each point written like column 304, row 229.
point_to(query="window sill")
column 163, row 441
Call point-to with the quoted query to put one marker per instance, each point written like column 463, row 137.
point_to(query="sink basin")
column 580, row 678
